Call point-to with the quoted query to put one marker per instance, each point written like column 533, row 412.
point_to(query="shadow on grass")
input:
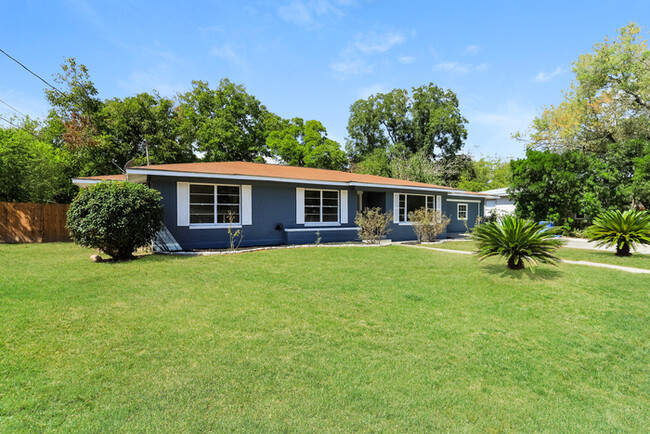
column 542, row 272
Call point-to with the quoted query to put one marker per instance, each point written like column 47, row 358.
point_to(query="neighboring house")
column 501, row 204
column 274, row 204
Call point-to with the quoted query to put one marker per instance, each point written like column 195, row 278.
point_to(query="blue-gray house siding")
column 274, row 214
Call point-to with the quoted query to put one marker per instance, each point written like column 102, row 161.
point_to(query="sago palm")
column 517, row 240
column 621, row 229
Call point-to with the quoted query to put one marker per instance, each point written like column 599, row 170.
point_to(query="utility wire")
column 13, row 108
column 19, row 128
column 30, row 71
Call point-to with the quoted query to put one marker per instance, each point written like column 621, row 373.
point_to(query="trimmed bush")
column 115, row 217
column 517, row 240
column 428, row 224
column 373, row 224
column 621, row 229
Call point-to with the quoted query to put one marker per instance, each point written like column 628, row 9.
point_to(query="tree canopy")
column 301, row 143
column 426, row 121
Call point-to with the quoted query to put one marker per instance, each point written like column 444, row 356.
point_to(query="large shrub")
column 115, row 217
column 428, row 224
column 621, row 229
column 517, row 240
column 373, row 224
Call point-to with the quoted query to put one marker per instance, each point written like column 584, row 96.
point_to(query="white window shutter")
column 300, row 206
column 396, row 207
column 246, row 205
column 344, row 206
column 439, row 208
column 182, row 203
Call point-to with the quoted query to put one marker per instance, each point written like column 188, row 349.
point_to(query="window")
column 321, row 206
column 462, row 211
column 212, row 204
column 411, row 202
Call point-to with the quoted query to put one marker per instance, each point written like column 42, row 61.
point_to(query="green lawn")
column 320, row 339
column 637, row 260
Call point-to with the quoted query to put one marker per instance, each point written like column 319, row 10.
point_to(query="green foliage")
column 428, row 121
column 227, row 124
column 556, row 187
column 31, row 170
column 609, row 100
column 78, row 95
column 306, row 144
column 373, row 224
column 486, row 174
column 115, row 217
column 518, row 241
column 428, row 224
column 621, row 229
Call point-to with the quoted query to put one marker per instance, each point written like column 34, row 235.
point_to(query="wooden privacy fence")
column 33, row 222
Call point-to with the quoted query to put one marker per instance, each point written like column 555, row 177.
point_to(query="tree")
column 608, row 102
column 427, row 122
column 115, row 217
column 306, row 144
column 30, row 169
column 624, row 230
column 225, row 123
column 518, row 241
column 486, row 174
column 559, row 187
column 142, row 123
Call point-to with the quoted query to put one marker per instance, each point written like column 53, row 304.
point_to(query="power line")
column 19, row 128
column 13, row 108
column 30, row 71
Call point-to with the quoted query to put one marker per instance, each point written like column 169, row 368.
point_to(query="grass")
column 638, row 260
column 322, row 339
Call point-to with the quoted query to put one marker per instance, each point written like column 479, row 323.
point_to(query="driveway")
column 579, row 243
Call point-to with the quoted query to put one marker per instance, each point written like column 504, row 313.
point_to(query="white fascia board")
column 464, row 200
column 402, row 187
column 237, row 177
column 477, row 196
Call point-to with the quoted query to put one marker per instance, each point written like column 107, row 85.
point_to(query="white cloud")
column 159, row 78
column 353, row 60
column 453, row 67
column 225, row 51
column 461, row 68
column 547, row 76
column 472, row 50
column 309, row 14
column 348, row 67
column 377, row 43
column 374, row 89
column 490, row 129
column 406, row 60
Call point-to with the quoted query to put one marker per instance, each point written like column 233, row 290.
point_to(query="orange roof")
column 104, row 178
column 280, row 171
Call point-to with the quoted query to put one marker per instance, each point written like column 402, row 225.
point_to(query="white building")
column 502, row 205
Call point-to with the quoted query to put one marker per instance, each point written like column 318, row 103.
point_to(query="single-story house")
column 273, row 204
column 500, row 203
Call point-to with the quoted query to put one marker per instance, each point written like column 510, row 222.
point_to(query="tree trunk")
column 623, row 250
column 515, row 265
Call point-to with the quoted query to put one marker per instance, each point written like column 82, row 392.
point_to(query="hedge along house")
column 273, row 204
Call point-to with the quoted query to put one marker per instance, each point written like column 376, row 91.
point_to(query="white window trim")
column 458, row 205
column 215, row 225
column 396, row 206
column 322, row 223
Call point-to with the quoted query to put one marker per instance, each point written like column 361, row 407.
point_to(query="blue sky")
column 312, row 59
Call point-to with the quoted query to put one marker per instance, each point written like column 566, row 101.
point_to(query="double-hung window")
column 412, row 202
column 321, row 206
column 462, row 211
column 215, row 204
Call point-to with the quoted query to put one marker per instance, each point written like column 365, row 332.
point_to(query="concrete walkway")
column 566, row 261
column 581, row 243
